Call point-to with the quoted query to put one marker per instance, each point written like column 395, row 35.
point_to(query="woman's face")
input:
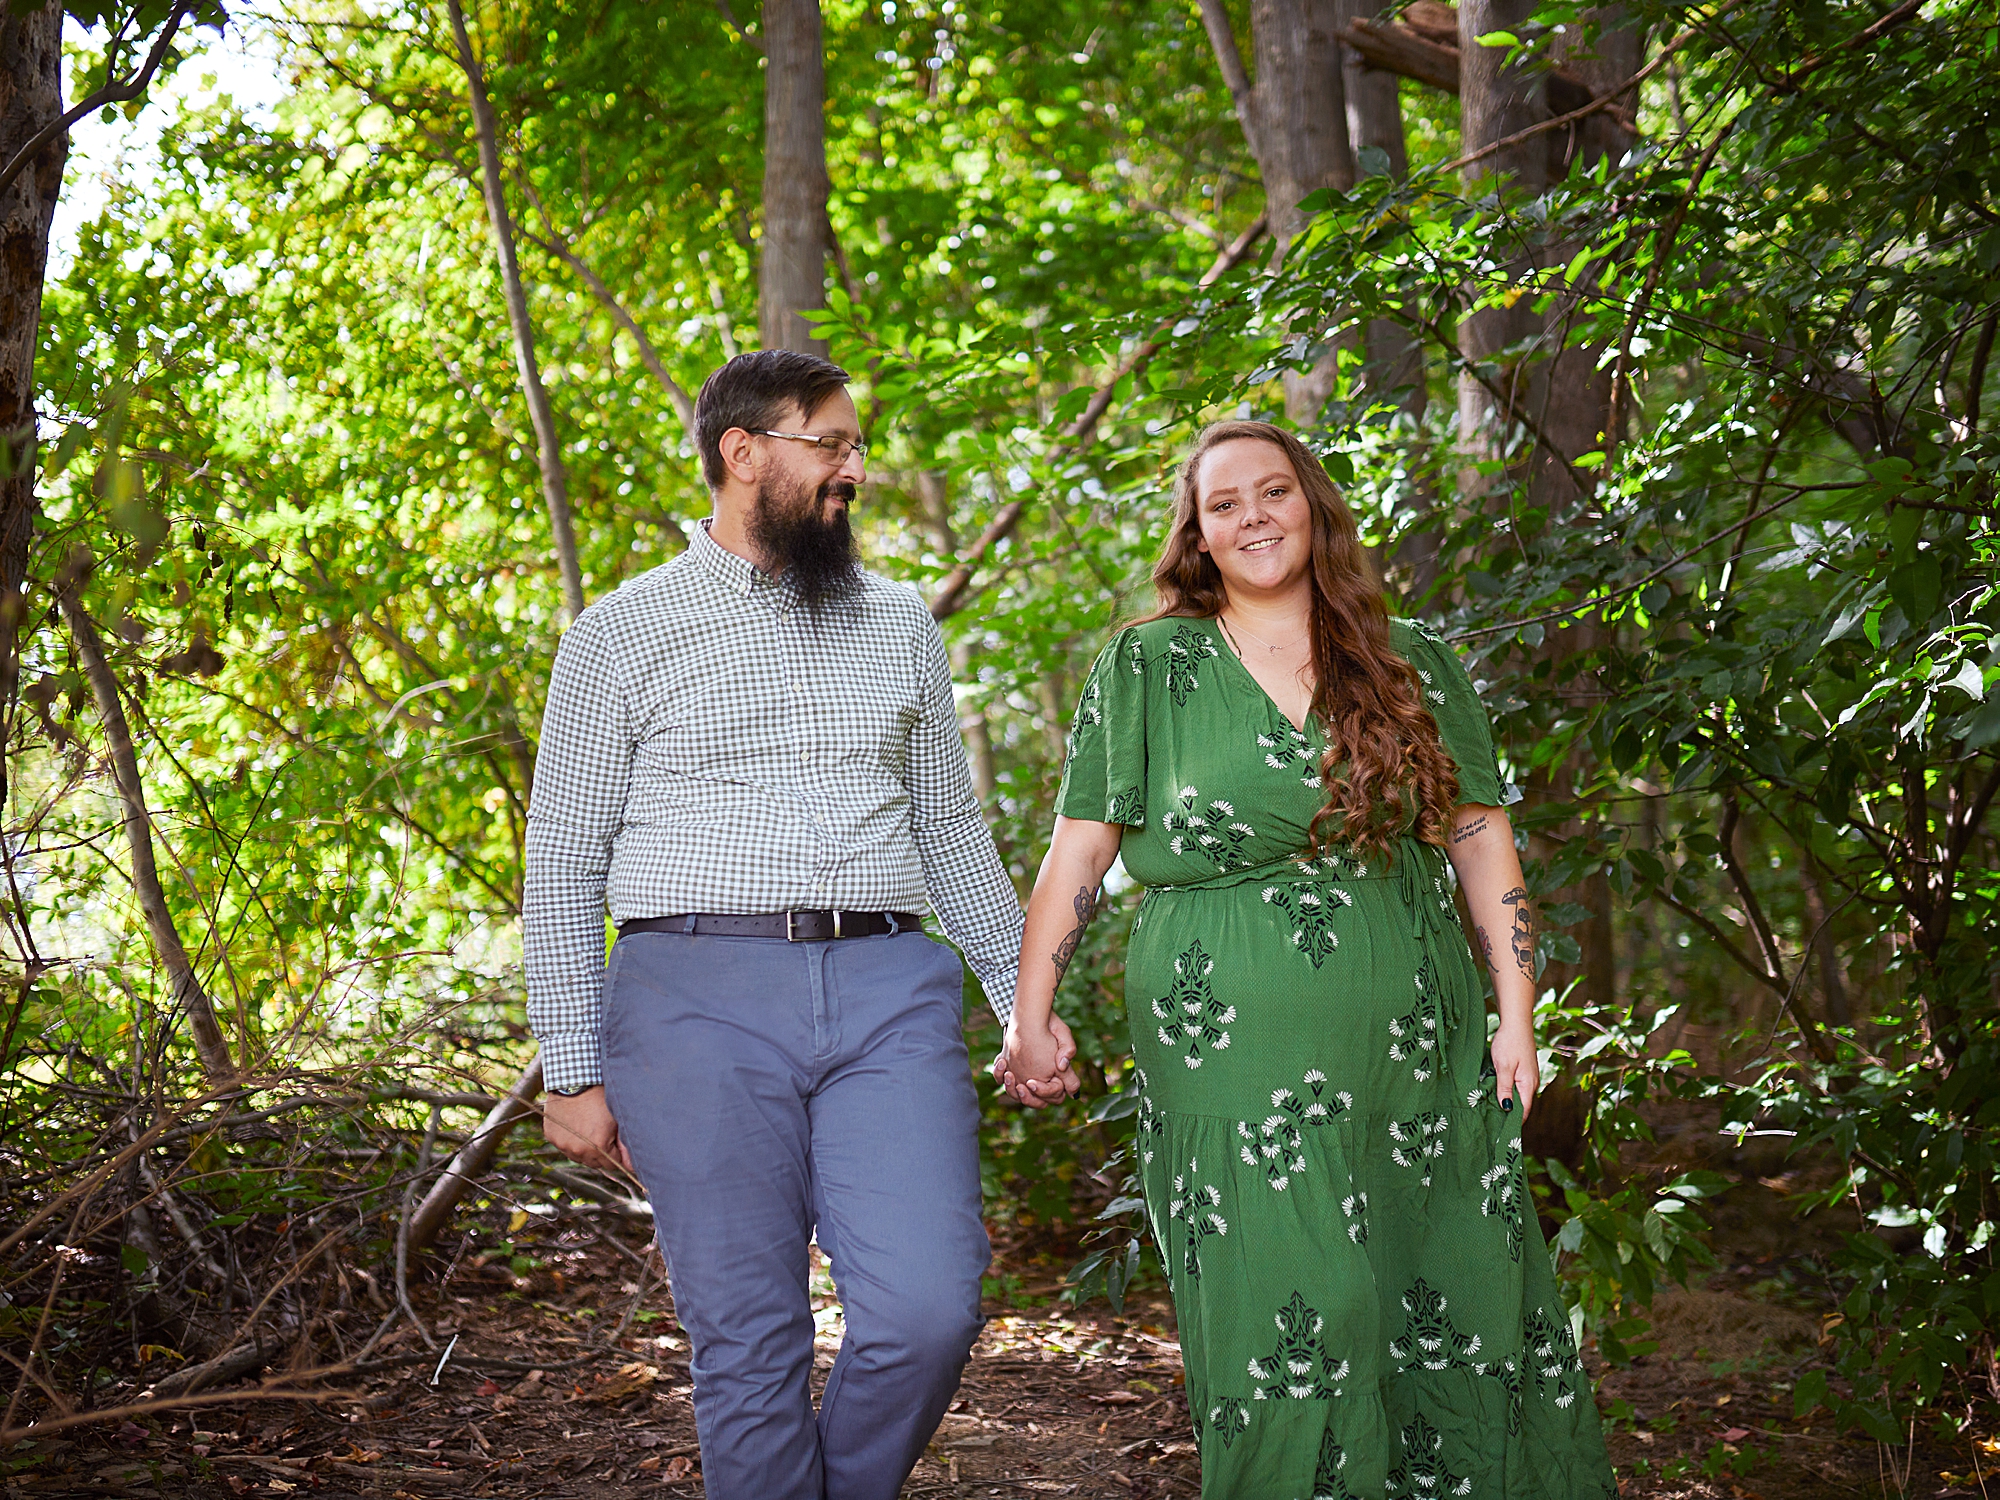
column 1255, row 520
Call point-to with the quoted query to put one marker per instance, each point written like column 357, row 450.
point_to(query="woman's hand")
column 1033, row 1067
column 1516, row 1063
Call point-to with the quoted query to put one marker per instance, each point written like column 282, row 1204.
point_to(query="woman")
column 1331, row 1152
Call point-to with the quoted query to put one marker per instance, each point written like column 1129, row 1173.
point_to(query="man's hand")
column 581, row 1127
column 1034, row 1063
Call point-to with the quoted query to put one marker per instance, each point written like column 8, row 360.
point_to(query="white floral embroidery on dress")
column 1190, row 1012
column 1196, row 1207
column 1277, row 1143
column 1419, row 1141
column 1213, row 833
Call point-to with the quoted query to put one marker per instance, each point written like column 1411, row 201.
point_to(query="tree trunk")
column 1533, row 404
column 791, row 274
column 548, row 448
column 1494, row 102
column 1550, row 405
column 1294, row 119
column 1394, row 370
column 30, row 101
column 1375, row 123
column 184, row 983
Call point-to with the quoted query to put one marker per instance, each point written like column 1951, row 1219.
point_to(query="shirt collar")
column 737, row 574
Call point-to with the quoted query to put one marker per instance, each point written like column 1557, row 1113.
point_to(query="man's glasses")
column 833, row 449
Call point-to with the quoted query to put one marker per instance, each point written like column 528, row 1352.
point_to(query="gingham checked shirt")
column 707, row 748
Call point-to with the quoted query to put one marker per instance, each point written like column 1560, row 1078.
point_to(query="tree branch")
column 185, row 986
column 1229, row 58
column 950, row 595
column 1976, row 377
column 1735, row 954
column 1400, row 50
column 1597, row 601
column 111, row 93
column 1753, row 910
column 473, row 1160
column 555, row 484
column 562, row 250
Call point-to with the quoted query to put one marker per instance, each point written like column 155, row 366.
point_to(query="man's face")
column 800, row 519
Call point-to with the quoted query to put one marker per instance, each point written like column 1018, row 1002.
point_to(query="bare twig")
column 272, row 1391
column 951, row 592
column 403, row 1229
column 1598, row 601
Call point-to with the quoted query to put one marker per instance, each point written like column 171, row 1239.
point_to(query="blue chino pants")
column 766, row 1089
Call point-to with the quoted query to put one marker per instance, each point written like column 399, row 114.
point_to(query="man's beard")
column 815, row 553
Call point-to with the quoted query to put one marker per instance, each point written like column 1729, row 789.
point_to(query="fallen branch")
column 243, row 1360
column 473, row 1160
column 950, row 596
column 270, row 1391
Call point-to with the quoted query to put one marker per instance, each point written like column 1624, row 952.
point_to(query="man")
column 753, row 755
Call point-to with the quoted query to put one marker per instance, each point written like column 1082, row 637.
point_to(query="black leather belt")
column 792, row 926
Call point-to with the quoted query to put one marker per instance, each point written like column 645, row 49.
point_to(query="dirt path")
column 531, row 1403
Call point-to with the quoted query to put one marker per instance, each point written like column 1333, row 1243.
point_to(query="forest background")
column 1651, row 343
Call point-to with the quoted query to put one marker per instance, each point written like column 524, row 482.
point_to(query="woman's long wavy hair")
column 1385, row 768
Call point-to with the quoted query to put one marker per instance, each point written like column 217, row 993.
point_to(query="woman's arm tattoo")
column 1086, row 908
column 1486, row 947
column 1470, row 830
column 1523, row 937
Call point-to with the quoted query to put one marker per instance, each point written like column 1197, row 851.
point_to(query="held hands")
column 1515, row 1061
column 581, row 1127
column 1033, row 1067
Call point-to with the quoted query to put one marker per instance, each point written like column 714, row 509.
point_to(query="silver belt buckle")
column 791, row 928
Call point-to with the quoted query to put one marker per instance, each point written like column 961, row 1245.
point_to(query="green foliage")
column 1773, row 615
column 1750, row 677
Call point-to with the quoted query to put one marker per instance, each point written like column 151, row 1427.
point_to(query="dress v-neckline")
column 1229, row 650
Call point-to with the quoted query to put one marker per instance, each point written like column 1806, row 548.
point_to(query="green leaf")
column 1969, row 680
column 1915, row 586
column 1985, row 726
column 1810, row 1393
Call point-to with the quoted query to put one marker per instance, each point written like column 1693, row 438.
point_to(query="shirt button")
column 805, row 755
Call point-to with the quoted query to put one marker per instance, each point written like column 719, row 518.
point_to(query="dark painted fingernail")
column 1506, row 1104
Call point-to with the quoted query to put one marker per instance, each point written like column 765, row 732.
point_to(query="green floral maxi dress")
column 1365, row 1301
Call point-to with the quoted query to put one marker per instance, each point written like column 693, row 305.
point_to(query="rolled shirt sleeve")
column 582, row 769
column 976, row 903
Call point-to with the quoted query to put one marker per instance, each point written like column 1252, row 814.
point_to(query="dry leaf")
column 629, row 1381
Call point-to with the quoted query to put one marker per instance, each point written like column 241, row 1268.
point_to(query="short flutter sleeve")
column 1104, row 775
column 1461, row 717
